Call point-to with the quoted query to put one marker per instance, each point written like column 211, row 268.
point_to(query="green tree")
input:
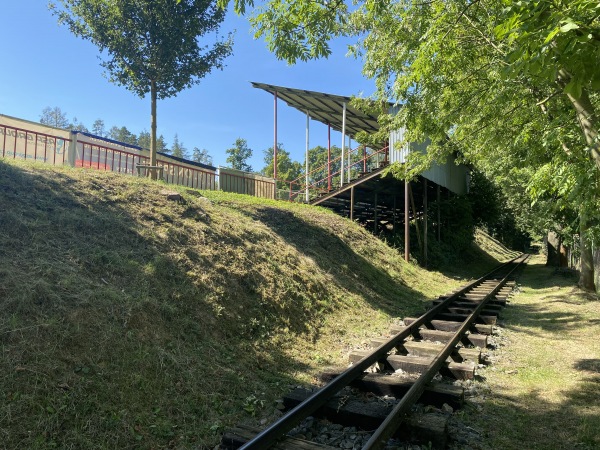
column 239, row 155
column 512, row 87
column 152, row 47
column 98, row 128
column 122, row 135
column 144, row 142
column 287, row 170
column 202, row 156
column 76, row 125
column 178, row 150
column 55, row 117
column 320, row 168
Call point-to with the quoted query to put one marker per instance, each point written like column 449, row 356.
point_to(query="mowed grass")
column 131, row 321
column 545, row 388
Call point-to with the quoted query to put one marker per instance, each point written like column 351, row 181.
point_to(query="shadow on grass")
column 349, row 270
column 530, row 421
column 110, row 338
column 540, row 274
column 543, row 316
column 132, row 322
column 548, row 415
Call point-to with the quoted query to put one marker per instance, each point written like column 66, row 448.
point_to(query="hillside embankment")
column 131, row 321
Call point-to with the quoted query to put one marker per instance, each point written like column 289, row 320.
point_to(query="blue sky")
column 45, row 65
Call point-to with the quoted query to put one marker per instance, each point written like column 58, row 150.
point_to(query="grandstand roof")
column 326, row 108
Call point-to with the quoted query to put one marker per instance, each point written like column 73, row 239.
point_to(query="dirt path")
column 543, row 390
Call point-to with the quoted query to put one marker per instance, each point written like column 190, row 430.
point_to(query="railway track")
column 445, row 341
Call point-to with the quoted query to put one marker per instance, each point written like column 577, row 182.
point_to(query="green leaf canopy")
column 148, row 40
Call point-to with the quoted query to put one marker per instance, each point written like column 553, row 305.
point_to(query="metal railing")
column 33, row 145
column 361, row 162
column 77, row 151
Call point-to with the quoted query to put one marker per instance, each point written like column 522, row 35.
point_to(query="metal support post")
column 306, row 156
column 348, row 163
column 352, row 203
column 343, row 145
column 329, row 157
column 406, row 221
column 275, row 144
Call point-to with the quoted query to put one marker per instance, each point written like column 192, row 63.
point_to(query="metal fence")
column 24, row 140
column 21, row 139
column 30, row 140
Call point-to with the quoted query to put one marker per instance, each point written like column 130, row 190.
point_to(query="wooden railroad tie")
column 444, row 331
column 418, row 364
column 236, row 437
column 370, row 414
column 425, row 348
column 435, row 394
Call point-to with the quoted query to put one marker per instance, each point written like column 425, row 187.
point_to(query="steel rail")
column 285, row 423
column 389, row 426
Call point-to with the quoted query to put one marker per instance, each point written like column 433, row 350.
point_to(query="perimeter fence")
column 21, row 139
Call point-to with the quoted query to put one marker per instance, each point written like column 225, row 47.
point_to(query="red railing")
column 47, row 141
column 366, row 162
column 28, row 144
column 107, row 158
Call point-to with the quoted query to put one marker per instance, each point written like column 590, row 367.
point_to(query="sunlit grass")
column 130, row 321
column 545, row 389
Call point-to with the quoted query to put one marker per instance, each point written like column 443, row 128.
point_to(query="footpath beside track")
column 446, row 341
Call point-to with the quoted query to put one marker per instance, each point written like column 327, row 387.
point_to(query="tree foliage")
column 239, row 155
column 287, row 169
column 202, row 156
column 151, row 47
column 177, row 149
column 98, row 128
column 55, row 117
column 144, row 142
column 122, row 134
column 511, row 86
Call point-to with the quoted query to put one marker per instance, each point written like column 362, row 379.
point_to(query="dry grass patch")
column 545, row 388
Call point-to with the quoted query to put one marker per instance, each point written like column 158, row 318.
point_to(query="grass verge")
column 131, row 321
column 544, row 390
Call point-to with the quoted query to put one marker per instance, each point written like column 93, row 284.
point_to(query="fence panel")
column 105, row 154
column 187, row 175
column 27, row 140
column 239, row 182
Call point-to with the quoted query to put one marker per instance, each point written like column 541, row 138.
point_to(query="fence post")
column 72, row 151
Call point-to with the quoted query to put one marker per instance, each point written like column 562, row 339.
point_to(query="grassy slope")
column 545, row 387
column 129, row 321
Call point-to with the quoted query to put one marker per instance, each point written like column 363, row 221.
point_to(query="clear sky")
column 45, row 65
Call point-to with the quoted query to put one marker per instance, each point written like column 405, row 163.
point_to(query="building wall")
column 448, row 174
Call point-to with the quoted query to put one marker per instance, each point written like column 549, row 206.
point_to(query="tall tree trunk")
column 153, row 129
column 586, row 279
column 588, row 121
column 586, row 115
